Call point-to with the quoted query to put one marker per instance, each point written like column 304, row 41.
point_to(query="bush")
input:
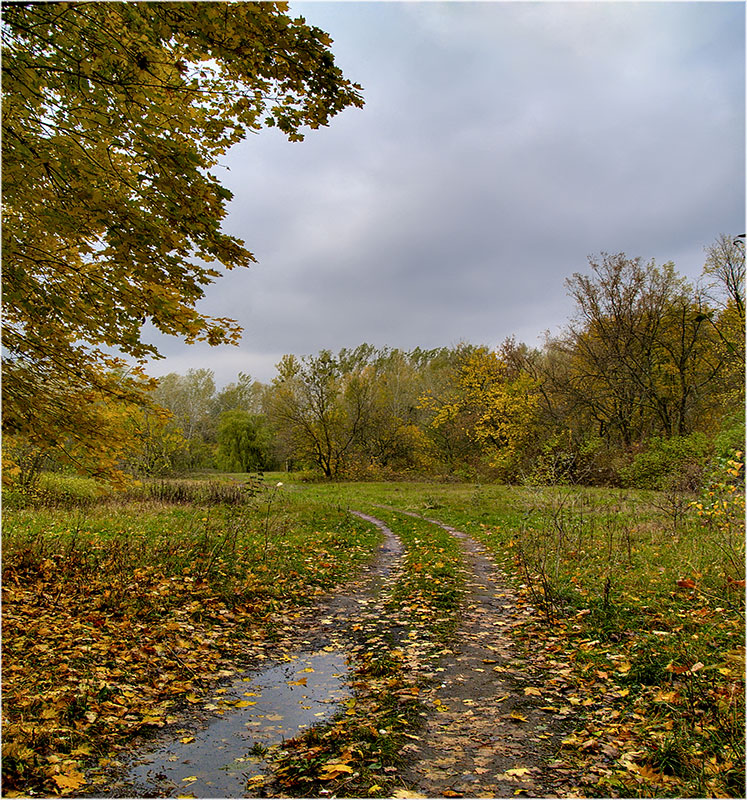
column 57, row 491
column 678, row 462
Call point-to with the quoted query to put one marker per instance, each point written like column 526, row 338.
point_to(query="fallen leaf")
column 518, row 772
column 70, row 780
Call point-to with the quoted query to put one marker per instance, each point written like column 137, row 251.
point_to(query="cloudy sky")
column 501, row 144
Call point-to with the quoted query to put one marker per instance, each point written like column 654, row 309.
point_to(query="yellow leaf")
column 519, row 717
column 518, row 772
column 299, row 682
column 69, row 780
column 190, row 779
column 246, row 703
column 337, row 767
column 533, row 691
column 187, row 739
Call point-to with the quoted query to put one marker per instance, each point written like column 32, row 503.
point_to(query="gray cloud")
column 500, row 144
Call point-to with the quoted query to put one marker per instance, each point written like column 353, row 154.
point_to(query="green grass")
column 637, row 592
column 631, row 585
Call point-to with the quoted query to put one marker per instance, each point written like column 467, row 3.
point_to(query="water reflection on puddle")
column 259, row 710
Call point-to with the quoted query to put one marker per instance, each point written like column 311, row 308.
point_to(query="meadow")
column 119, row 610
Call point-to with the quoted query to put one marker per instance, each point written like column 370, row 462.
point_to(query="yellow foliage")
column 495, row 411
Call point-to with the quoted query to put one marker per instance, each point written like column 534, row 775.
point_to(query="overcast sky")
column 500, row 145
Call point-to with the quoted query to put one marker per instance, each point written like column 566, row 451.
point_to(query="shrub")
column 56, row 490
column 666, row 463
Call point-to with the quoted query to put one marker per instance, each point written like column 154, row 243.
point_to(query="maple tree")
column 113, row 116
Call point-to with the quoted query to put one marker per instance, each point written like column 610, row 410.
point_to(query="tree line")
column 642, row 386
column 112, row 219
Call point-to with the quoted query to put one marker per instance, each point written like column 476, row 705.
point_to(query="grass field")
column 119, row 609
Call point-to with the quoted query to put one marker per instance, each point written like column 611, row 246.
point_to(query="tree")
column 390, row 435
column 724, row 270
column 190, row 399
column 303, row 407
column 319, row 409
column 724, row 266
column 493, row 407
column 244, row 442
column 244, row 394
column 641, row 360
column 113, row 116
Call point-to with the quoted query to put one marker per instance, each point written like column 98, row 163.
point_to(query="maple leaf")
column 69, row 781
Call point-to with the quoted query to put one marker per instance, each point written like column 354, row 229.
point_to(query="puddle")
column 259, row 710
column 263, row 709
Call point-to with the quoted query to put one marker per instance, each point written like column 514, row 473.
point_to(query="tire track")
column 489, row 736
